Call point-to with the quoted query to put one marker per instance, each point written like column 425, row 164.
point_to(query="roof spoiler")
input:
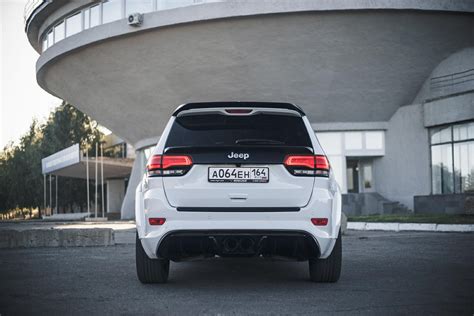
column 233, row 104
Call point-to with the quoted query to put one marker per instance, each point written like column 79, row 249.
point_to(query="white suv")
column 238, row 179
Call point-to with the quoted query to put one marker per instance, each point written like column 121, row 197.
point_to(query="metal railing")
column 30, row 6
column 450, row 84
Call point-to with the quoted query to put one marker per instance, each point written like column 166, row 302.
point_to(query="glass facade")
column 105, row 12
column 452, row 158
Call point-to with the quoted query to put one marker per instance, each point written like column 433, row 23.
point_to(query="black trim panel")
column 238, row 209
column 262, row 154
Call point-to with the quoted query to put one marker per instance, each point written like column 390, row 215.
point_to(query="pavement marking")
column 426, row 227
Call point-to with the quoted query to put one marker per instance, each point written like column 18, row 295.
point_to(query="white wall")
column 404, row 171
column 339, row 145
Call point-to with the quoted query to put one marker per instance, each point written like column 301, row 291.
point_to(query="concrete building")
column 388, row 85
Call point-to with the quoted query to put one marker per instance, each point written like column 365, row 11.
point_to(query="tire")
column 327, row 270
column 150, row 270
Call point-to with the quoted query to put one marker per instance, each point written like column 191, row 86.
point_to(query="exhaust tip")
column 230, row 244
column 246, row 244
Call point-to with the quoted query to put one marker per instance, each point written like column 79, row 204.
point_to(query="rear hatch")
column 237, row 160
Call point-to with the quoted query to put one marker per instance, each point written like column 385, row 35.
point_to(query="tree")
column 21, row 179
column 67, row 126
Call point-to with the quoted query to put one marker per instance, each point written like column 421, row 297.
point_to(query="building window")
column 138, row 6
column 331, row 143
column 441, row 164
column 353, row 140
column 108, row 11
column 50, row 38
column 45, row 43
column 368, row 180
column 59, row 32
column 111, row 11
column 374, row 140
column 87, row 18
column 94, row 16
column 452, row 158
column 116, row 151
column 73, row 24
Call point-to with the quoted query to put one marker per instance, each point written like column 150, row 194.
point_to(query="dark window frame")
column 452, row 142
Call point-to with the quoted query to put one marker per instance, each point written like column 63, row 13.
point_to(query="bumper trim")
column 238, row 209
column 184, row 245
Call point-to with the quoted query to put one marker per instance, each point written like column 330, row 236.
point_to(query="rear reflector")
column 319, row 221
column 169, row 165
column 307, row 165
column 157, row 221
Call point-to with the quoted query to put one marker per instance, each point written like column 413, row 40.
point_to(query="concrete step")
column 371, row 203
column 32, row 234
column 394, row 208
column 113, row 216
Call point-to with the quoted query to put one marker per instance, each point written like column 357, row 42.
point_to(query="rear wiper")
column 259, row 141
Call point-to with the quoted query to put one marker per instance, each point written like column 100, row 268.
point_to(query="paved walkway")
column 38, row 224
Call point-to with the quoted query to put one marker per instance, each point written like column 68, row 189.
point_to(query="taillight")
column 307, row 165
column 169, row 165
column 156, row 221
column 176, row 161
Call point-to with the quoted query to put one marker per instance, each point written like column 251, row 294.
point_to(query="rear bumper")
column 317, row 241
column 324, row 203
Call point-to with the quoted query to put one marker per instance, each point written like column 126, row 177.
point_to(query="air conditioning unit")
column 135, row 19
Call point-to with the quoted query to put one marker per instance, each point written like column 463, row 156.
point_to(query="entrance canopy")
column 70, row 162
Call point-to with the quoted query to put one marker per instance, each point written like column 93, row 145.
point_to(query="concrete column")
column 128, row 205
column 115, row 195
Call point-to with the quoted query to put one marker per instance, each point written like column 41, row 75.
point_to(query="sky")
column 21, row 98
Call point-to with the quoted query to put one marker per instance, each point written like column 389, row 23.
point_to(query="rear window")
column 208, row 130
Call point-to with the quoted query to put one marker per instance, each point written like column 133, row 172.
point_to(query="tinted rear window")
column 224, row 130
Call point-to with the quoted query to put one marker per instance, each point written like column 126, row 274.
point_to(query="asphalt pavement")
column 383, row 273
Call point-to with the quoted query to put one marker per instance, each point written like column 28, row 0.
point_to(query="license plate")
column 240, row 175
